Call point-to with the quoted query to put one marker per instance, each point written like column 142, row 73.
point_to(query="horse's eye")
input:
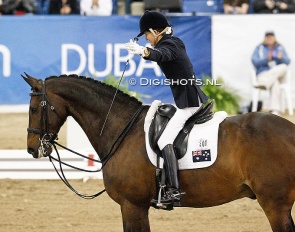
column 34, row 110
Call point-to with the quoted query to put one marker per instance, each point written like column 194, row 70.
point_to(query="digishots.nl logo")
column 168, row 82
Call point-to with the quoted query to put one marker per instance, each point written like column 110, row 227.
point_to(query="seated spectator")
column 236, row 6
column 273, row 6
column 42, row 6
column 271, row 62
column 64, row 7
column 1, row 7
column 96, row 7
column 19, row 7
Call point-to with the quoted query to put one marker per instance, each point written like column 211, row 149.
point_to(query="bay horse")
column 256, row 151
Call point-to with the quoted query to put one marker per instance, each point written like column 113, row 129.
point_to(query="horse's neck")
column 89, row 107
column 102, row 130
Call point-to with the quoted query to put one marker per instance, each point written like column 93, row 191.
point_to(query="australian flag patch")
column 201, row 155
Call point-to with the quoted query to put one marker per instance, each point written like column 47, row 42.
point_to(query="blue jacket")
column 259, row 57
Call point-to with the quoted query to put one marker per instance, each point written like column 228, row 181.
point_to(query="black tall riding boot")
column 171, row 165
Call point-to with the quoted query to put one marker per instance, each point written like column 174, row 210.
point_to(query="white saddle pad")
column 202, row 143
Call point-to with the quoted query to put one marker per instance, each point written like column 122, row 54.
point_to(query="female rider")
column 170, row 54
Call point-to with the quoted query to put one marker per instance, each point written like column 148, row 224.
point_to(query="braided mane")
column 99, row 84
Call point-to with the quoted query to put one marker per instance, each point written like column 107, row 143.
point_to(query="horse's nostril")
column 30, row 150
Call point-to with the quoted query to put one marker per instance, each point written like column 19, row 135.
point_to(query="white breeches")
column 175, row 124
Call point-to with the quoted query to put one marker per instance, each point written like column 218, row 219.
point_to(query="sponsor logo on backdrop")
column 113, row 60
column 6, row 57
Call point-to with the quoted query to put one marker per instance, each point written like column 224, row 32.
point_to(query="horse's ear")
column 30, row 80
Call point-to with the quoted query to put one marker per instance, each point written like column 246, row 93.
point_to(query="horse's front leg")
column 135, row 218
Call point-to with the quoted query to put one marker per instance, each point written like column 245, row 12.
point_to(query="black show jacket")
column 170, row 55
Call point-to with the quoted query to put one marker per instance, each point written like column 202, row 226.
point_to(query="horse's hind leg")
column 135, row 218
column 279, row 217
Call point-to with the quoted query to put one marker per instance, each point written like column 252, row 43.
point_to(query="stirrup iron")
column 162, row 189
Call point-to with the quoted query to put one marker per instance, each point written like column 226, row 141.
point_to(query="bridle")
column 47, row 139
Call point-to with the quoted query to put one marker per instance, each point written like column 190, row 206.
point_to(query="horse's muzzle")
column 40, row 152
column 31, row 151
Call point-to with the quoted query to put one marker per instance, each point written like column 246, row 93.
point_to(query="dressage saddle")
column 162, row 117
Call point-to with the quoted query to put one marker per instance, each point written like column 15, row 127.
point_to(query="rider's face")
column 153, row 37
column 150, row 37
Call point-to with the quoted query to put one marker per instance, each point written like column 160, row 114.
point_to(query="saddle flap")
column 163, row 115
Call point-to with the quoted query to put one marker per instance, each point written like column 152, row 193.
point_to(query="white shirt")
column 104, row 8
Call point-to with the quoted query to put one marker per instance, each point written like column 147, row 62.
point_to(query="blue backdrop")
column 93, row 46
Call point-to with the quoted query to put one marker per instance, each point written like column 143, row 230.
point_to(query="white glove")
column 134, row 48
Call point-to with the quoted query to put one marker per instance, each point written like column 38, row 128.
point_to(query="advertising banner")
column 44, row 46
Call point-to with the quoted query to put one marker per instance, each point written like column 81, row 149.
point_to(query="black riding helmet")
column 152, row 19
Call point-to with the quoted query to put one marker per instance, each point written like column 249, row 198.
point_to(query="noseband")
column 46, row 138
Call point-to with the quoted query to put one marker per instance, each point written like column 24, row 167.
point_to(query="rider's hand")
column 134, row 48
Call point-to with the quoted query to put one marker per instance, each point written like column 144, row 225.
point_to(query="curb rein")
column 47, row 140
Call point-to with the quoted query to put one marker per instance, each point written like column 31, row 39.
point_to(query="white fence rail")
column 18, row 164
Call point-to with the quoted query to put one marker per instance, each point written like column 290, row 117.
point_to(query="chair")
column 285, row 93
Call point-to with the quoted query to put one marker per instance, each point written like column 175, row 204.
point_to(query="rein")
column 45, row 142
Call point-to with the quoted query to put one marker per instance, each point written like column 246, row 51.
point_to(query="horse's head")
column 44, row 120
